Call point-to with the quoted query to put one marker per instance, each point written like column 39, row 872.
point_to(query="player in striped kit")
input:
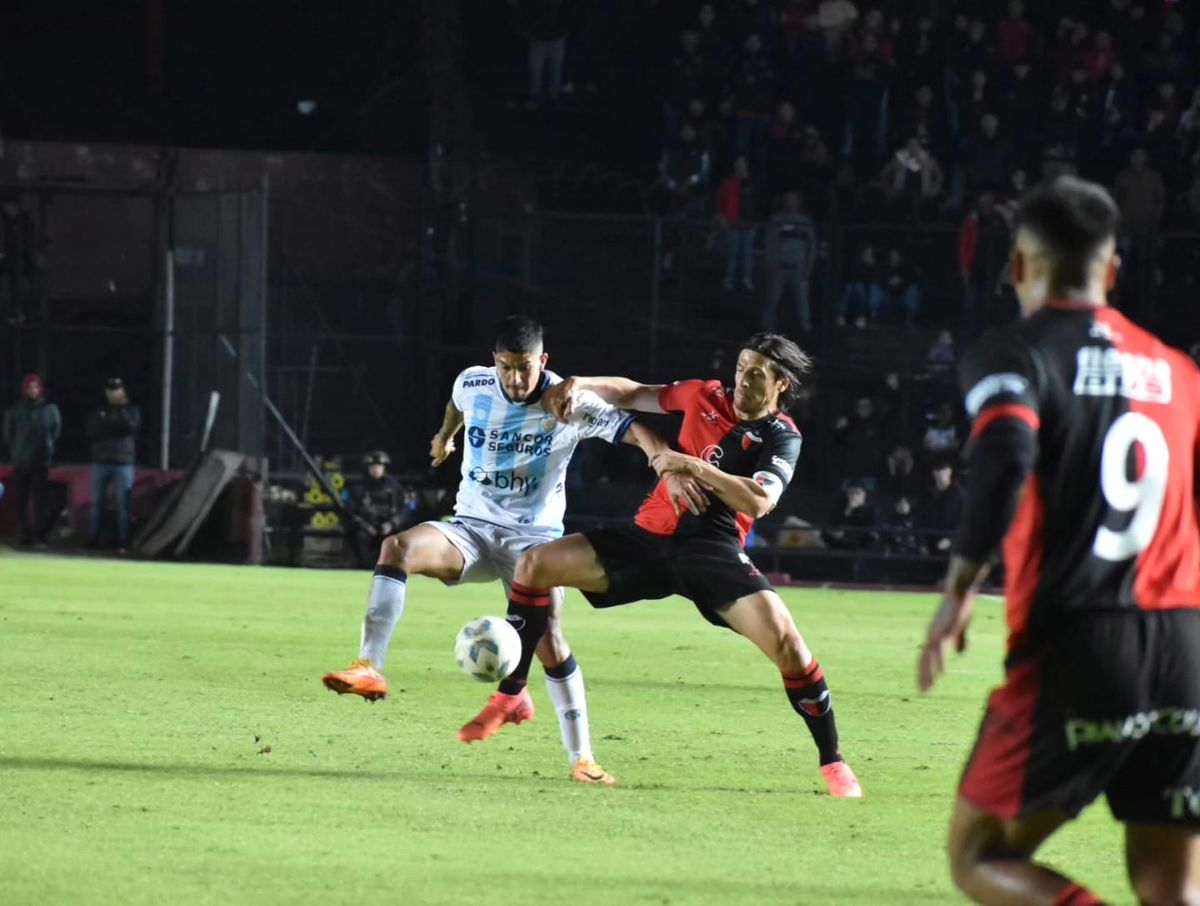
column 512, row 497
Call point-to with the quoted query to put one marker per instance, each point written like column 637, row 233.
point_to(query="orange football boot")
column 500, row 709
column 360, row 678
column 841, row 780
column 587, row 771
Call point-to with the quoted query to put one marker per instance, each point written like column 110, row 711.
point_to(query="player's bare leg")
column 420, row 550
column 764, row 620
column 567, row 561
column 991, row 860
column 1163, row 864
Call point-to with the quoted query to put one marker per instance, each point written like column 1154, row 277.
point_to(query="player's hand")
column 685, row 493
column 440, row 449
column 670, row 461
column 559, row 399
column 947, row 629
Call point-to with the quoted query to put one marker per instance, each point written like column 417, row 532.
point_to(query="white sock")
column 385, row 604
column 564, row 683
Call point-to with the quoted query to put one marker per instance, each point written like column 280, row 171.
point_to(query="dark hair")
column 788, row 360
column 518, row 333
column 1072, row 219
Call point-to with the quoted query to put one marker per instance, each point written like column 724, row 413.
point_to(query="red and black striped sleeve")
column 1002, row 396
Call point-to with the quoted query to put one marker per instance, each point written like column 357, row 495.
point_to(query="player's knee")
column 394, row 552
column 531, row 568
column 1155, row 886
column 966, row 852
column 791, row 655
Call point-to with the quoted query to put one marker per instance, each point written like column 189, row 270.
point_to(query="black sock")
column 809, row 696
column 529, row 615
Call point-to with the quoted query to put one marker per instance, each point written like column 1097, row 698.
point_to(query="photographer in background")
column 31, row 429
column 112, row 429
column 382, row 502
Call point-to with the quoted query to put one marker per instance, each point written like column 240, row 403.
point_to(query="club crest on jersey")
column 749, row 439
column 712, row 454
column 710, row 415
column 548, row 424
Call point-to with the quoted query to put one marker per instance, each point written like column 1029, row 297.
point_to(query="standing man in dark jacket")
column 31, row 429
column 112, row 429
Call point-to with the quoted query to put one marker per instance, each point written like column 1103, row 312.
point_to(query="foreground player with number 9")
column 1083, row 459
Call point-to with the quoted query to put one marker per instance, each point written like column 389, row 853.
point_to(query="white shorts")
column 489, row 551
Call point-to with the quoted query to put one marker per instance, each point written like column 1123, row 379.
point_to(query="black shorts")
column 1110, row 704
column 710, row 571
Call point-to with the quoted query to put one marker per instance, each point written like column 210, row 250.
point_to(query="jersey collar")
column 1074, row 305
column 533, row 397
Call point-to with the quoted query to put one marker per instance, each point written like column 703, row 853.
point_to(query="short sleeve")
column 999, row 381
column 467, row 381
column 777, row 462
column 676, row 397
column 593, row 417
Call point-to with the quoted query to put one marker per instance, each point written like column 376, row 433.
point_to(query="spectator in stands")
column 1015, row 35
column 687, row 76
column 791, row 249
column 112, row 429
column 983, row 248
column 912, row 179
column 682, row 183
column 1141, row 195
column 712, row 42
column 939, row 509
column 545, row 24
column 941, row 440
column 753, row 79
column 836, row 18
column 899, row 530
column 898, row 297
column 851, row 521
column 859, row 291
column 737, row 210
column 31, row 429
column 1111, row 148
column 1120, row 93
column 987, row 157
column 785, row 138
column 1021, row 101
column 1062, row 126
column 925, row 120
column 860, row 445
column 900, row 475
column 1189, row 128
column 941, row 358
column 752, row 17
column 870, row 81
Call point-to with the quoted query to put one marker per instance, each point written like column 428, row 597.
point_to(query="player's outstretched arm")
column 685, row 492
column 737, row 492
column 442, row 444
column 617, row 391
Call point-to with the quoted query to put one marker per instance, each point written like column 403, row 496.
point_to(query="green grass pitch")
column 164, row 738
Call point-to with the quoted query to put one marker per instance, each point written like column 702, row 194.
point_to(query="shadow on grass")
column 448, row 775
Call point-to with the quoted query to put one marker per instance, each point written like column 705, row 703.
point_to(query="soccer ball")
column 487, row 649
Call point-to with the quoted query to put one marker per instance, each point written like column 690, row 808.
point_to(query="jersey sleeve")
column 458, row 393
column 593, row 417
column 678, row 396
column 1001, row 396
column 777, row 463
column 999, row 381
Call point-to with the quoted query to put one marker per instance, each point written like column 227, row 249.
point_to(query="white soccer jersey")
column 515, row 455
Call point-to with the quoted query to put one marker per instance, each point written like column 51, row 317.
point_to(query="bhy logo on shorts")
column 505, row 481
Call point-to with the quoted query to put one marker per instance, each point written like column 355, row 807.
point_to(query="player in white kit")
column 511, row 498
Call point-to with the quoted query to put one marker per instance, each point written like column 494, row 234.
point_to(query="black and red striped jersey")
column 765, row 450
column 1107, row 518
